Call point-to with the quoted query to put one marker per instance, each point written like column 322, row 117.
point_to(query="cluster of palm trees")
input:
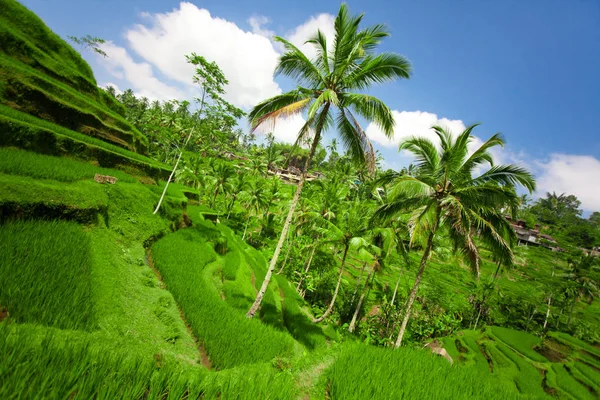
column 441, row 195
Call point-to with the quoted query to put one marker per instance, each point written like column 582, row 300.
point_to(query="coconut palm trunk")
column 413, row 292
column 396, row 288
column 162, row 196
column 360, row 300
column 286, row 227
column 337, row 288
column 287, row 255
column 310, row 258
column 547, row 312
column 362, row 271
column 246, row 227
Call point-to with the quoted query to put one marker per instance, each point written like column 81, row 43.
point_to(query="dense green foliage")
column 101, row 298
column 228, row 337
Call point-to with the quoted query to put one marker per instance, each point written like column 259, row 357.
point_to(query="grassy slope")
column 556, row 366
column 42, row 75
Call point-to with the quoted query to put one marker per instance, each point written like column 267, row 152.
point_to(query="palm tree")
column 256, row 201
column 350, row 231
column 224, row 174
column 583, row 283
column 258, row 166
column 325, row 85
column 442, row 196
column 238, row 184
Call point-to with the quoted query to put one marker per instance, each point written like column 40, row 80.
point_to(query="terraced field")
column 558, row 365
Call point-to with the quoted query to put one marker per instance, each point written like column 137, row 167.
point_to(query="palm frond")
column 371, row 109
column 507, row 174
column 385, row 67
column 320, row 43
column 355, row 139
column 427, row 156
column 294, row 64
column 282, row 105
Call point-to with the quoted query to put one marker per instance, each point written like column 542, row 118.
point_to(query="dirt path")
column 201, row 350
column 308, row 378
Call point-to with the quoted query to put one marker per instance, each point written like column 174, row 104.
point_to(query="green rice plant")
column 590, row 375
column 45, row 274
column 576, row 343
column 39, row 364
column 81, row 201
column 258, row 381
column 34, row 54
column 27, row 163
column 298, row 323
column 520, row 341
column 568, row 384
column 228, row 336
column 363, row 372
column 526, row 377
column 29, row 132
column 231, row 263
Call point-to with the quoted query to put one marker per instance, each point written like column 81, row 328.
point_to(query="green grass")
column 522, row 342
column 39, row 166
column 54, row 258
column 31, row 133
column 568, row 384
column 51, row 368
column 229, row 337
column 46, row 77
column 28, row 197
column 363, row 372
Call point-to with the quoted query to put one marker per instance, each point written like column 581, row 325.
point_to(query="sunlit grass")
column 26, row 163
column 45, row 274
column 230, row 338
column 363, row 372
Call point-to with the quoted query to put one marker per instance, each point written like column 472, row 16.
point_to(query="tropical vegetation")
column 137, row 236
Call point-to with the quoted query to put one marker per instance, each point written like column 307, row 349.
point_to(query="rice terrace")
column 254, row 218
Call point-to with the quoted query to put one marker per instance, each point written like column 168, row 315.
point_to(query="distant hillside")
column 41, row 75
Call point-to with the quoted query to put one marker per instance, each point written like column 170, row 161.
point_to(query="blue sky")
column 526, row 68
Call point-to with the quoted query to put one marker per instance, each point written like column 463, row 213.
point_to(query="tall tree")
column 329, row 86
column 443, row 196
column 351, row 231
column 212, row 82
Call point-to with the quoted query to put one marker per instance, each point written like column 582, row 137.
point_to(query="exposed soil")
column 3, row 313
column 373, row 311
column 553, row 350
column 201, row 350
column 487, row 357
column 459, row 346
column 548, row 389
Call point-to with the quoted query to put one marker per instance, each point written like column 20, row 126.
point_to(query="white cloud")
column 109, row 84
column 571, row 174
column 257, row 22
column 413, row 123
column 285, row 129
column 139, row 75
column 307, row 30
column 247, row 59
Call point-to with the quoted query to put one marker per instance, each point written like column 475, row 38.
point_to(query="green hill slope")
column 42, row 75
